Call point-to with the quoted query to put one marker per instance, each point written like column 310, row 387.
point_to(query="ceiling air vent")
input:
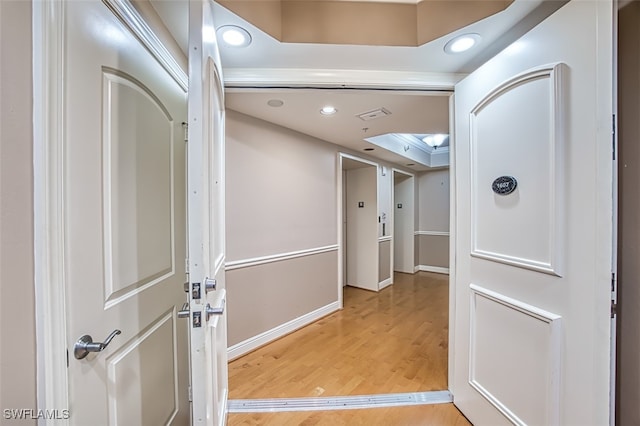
column 372, row 115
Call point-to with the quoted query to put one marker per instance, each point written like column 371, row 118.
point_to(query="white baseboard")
column 268, row 336
column 436, row 269
column 385, row 283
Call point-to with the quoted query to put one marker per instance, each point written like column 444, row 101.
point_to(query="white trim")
column 433, row 233
column 268, row 336
column 49, row 229
column 452, row 242
column 331, row 78
column 340, row 228
column 358, row 159
column 132, row 19
column 385, row 283
column 245, row 263
column 329, row 403
column 436, row 269
column 383, row 239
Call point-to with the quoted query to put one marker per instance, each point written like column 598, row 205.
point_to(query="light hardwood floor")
column 387, row 342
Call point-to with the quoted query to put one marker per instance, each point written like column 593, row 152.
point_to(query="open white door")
column 119, row 217
column 205, row 175
column 533, row 262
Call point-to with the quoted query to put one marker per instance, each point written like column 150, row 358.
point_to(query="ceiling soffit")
column 362, row 23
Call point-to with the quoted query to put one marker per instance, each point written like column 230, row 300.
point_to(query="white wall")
column 17, row 299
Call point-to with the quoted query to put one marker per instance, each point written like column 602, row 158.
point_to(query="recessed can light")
column 411, row 164
column 328, row 110
column 462, row 43
column 275, row 103
column 234, row 36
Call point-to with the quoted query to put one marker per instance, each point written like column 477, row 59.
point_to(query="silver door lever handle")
column 85, row 344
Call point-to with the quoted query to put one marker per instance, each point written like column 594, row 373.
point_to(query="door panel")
column 533, row 266
column 206, row 180
column 124, row 215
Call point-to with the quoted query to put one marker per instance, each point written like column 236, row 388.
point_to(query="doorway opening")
column 360, row 242
column 391, row 179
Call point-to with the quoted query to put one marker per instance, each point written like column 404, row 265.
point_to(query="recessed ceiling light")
column 462, row 43
column 328, row 110
column 234, row 36
column 369, row 149
column 276, row 103
column 411, row 164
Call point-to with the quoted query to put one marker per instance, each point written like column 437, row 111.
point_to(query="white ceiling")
column 412, row 112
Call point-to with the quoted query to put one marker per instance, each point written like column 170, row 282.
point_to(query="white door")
column 208, row 322
column 362, row 227
column 531, row 335
column 124, row 236
column 403, row 222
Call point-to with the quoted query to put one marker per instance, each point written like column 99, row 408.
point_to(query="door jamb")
column 49, row 225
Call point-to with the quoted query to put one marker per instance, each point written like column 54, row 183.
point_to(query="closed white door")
column 208, row 321
column 531, row 331
column 362, row 227
column 124, row 215
column 403, row 222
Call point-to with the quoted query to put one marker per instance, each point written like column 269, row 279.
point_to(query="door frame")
column 340, row 215
column 383, row 80
column 49, row 197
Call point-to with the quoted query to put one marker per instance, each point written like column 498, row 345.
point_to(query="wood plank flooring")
column 387, row 342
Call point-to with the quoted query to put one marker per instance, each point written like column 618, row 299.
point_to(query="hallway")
column 388, row 342
column 392, row 341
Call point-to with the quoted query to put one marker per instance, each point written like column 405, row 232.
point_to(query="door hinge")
column 614, row 298
column 186, row 265
column 67, row 358
column 613, row 282
column 613, row 136
column 185, row 127
column 190, row 396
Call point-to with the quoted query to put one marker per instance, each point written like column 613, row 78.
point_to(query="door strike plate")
column 197, row 319
column 195, row 290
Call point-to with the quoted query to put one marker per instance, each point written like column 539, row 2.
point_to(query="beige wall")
column 384, row 260
column 432, row 239
column 281, row 189
column 433, row 201
column 628, row 377
column 280, row 198
column 263, row 297
column 17, row 300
